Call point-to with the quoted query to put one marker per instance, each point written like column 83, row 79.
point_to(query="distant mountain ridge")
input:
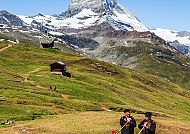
column 11, row 19
column 180, row 40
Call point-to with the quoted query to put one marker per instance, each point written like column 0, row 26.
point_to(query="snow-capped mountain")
column 10, row 19
column 94, row 18
column 180, row 40
column 86, row 13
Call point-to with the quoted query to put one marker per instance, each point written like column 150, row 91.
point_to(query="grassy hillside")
column 91, row 123
column 168, row 65
column 94, row 86
column 149, row 58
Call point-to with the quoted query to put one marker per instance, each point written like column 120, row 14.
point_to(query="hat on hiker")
column 127, row 110
column 148, row 114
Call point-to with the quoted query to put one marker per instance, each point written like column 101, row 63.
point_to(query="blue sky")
column 172, row 14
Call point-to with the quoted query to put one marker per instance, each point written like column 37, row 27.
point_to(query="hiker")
column 148, row 126
column 128, row 121
column 50, row 88
column 55, row 88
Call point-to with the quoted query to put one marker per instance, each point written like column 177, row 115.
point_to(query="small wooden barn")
column 47, row 42
column 58, row 68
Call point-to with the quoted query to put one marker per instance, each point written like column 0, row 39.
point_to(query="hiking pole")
column 122, row 127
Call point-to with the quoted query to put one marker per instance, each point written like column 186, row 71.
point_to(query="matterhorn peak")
column 97, row 6
column 109, row 11
column 78, row 5
column 86, row 13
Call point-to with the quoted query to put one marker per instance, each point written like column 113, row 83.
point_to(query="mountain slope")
column 94, row 85
column 95, row 34
column 144, row 56
column 10, row 19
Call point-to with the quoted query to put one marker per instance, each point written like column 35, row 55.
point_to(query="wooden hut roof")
column 60, row 62
column 47, row 40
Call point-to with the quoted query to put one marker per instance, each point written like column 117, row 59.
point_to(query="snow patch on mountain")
column 83, row 19
column 129, row 21
column 6, row 19
column 55, row 33
column 26, row 19
column 45, row 19
column 171, row 35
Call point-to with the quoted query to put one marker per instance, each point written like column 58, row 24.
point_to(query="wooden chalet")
column 58, row 68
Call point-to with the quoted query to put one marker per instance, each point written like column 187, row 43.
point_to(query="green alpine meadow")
column 93, row 67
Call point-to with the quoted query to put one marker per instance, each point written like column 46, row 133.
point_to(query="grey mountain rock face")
column 80, row 42
column 182, row 48
column 77, row 5
column 10, row 19
column 183, row 34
